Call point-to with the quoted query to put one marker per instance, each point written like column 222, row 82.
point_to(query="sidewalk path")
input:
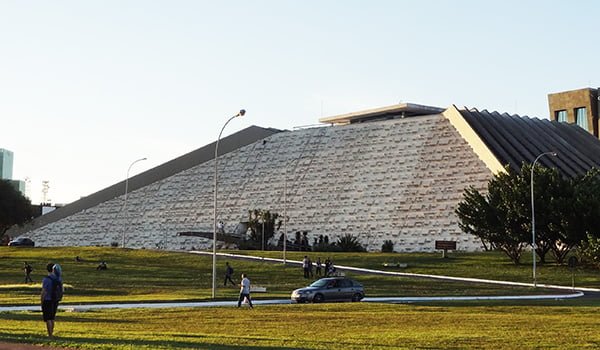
column 407, row 274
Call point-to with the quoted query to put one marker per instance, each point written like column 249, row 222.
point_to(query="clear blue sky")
column 87, row 87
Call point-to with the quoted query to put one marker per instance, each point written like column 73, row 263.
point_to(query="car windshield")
column 320, row 283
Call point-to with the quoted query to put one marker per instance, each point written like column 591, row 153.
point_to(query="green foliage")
column 497, row 218
column 261, row 221
column 387, row 246
column 565, row 210
column 349, row 243
column 589, row 251
column 15, row 209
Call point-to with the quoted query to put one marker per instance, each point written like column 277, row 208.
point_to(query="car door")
column 333, row 290
column 346, row 289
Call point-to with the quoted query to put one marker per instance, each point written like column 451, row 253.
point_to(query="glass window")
column 561, row 116
column 581, row 117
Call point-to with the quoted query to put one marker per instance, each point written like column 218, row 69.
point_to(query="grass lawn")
column 320, row 326
column 144, row 275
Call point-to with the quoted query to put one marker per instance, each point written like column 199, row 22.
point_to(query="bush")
column 387, row 247
column 349, row 243
column 589, row 251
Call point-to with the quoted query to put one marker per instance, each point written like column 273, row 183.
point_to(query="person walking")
column 52, row 291
column 228, row 274
column 305, row 262
column 27, row 268
column 245, row 291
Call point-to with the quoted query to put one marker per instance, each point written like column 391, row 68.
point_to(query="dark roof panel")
column 514, row 140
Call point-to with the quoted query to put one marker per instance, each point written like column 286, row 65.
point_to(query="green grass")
column 321, row 326
column 144, row 275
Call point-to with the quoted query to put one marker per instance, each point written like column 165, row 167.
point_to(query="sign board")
column 445, row 245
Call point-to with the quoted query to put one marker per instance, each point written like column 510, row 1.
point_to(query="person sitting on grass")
column 102, row 266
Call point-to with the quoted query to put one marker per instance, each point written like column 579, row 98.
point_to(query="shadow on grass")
column 110, row 343
column 61, row 317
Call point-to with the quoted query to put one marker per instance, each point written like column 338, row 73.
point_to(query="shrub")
column 387, row 247
column 589, row 251
column 349, row 243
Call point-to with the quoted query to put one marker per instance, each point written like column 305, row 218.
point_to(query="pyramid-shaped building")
column 393, row 173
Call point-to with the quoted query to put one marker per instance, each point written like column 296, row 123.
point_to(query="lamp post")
column 284, row 215
column 214, row 259
column 125, row 204
column 533, row 245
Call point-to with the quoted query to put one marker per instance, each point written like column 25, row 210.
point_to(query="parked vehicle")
column 21, row 242
column 330, row 289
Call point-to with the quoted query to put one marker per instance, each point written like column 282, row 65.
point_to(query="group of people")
column 320, row 270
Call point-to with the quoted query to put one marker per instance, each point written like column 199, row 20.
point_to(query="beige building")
column 393, row 173
column 576, row 106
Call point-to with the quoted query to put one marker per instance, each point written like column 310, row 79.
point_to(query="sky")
column 88, row 87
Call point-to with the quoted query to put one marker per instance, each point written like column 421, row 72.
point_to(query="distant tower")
column 6, row 164
column 45, row 188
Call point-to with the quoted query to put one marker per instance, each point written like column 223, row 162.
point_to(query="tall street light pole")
column 285, row 217
column 125, row 204
column 533, row 245
column 214, row 260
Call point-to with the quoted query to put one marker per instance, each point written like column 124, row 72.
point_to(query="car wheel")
column 356, row 297
column 318, row 298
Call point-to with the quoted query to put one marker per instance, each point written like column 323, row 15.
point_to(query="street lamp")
column 214, row 260
column 125, row 204
column 533, row 245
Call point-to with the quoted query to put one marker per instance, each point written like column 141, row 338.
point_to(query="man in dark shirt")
column 49, row 297
column 228, row 274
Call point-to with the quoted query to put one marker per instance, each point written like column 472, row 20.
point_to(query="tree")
column 349, row 243
column 15, row 209
column 259, row 219
column 566, row 210
column 498, row 217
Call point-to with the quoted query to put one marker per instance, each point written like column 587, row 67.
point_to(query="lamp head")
column 554, row 154
column 241, row 113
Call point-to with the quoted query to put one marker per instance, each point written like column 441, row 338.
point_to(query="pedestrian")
column 52, row 291
column 27, row 268
column 305, row 266
column 245, row 291
column 228, row 274
column 319, row 268
column 102, row 266
column 327, row 267
column 310, row 268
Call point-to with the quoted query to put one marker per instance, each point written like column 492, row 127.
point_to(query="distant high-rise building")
column 6, row 164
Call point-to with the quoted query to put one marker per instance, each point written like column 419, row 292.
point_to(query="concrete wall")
column 399, row 180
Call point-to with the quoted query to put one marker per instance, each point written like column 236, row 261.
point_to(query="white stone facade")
column 397, row 180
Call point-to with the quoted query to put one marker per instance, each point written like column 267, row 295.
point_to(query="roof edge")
column 465, row 130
